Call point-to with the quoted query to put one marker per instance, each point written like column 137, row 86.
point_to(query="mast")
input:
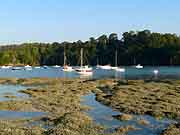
column 97, row 61
column 116, row 58
column 65, row 59
column 81, row 57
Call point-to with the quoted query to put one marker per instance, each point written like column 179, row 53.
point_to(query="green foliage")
column 142, row 47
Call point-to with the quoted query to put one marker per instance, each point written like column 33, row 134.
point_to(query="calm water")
column 19, row 115
column 12, row 90
column 103, row 115
column 131, row 73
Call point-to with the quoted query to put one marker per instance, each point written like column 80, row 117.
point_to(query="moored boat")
column 156, row 71
column 5, row 67
column 105, row 67
column 56, row 66
column 27, row 67
column 120, row 69
column 66, row 68
column 139, row 66
column 16, row 68
column 84, row 70
column 116, row 68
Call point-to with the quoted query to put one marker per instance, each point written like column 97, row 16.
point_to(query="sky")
column 71, row 20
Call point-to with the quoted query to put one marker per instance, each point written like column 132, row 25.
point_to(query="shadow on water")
column 103, row 115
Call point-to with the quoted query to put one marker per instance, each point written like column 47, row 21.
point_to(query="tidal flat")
column 61, row 100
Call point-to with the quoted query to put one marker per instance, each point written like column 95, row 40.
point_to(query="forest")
column 134, row 47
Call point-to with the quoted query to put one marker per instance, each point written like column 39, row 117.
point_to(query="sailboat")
column 84, row 70
column 66, row 68
column 116, row 68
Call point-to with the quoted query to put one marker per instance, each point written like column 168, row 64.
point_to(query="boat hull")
column 67, row 69
column 84, row 71
column 105, row 67
column 120, row 69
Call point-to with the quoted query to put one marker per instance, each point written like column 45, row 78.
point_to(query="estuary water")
column 130, row 73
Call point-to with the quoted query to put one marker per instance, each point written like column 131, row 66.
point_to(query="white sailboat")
column 116, row 68
column 84, row 70
column 66, row 68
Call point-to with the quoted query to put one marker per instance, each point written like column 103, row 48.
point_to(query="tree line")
column 142, row 47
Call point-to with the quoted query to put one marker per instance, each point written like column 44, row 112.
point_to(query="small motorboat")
column 45, row 67
column 27, row 67
column 114, row 68
column 139, row 66
column 105, row 67
column 118, row 69
column 156, row 72
column 5, row 67
column 17, row 68
column 67, row 69
column 56, row 66
column 37, row 67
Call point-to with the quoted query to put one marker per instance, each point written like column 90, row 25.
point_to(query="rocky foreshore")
column 61, row 99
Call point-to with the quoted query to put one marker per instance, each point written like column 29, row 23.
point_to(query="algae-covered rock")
column 124, row 117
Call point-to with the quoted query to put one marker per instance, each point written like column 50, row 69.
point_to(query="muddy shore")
column 61, row 99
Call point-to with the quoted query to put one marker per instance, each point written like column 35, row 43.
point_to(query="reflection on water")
column 103, row 115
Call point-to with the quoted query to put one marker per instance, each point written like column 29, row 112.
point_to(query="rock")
column 143, row 122
column 124, row 117
column 124, row 130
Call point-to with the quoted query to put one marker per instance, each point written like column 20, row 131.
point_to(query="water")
column 103, row 115
column 131, row 73
column 12, row 90
column 5, row 115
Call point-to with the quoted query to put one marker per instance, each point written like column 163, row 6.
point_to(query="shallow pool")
column 12, row 91
column 103, row 115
